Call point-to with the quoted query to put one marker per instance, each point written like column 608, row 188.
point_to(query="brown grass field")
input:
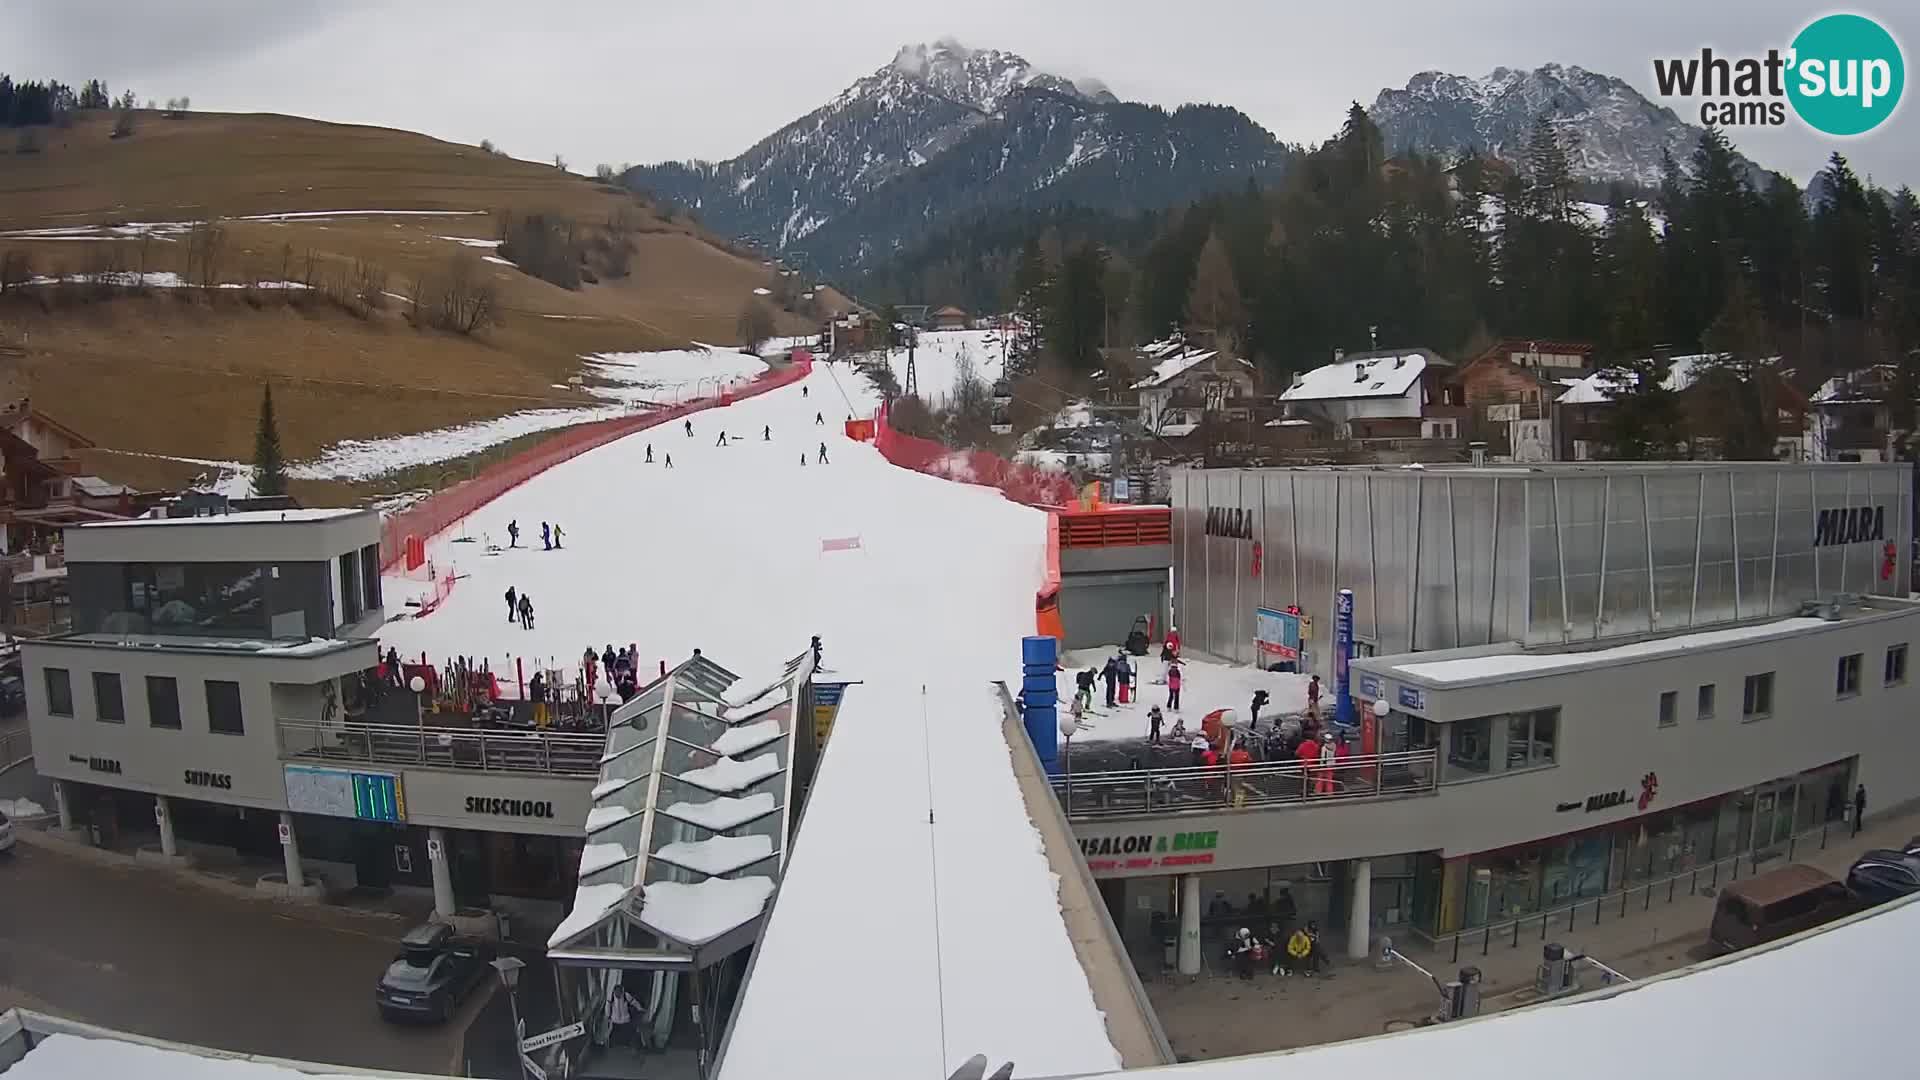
column 179, row 371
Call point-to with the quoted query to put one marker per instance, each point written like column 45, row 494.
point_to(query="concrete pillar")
column 1360, row 913
column 443, row 905
column 290, row 850
column 163, row 816
column 61, row 803
column 1189, row 956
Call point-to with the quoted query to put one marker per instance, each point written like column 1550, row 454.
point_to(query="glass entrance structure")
column 1439, row 557
column 685, row 845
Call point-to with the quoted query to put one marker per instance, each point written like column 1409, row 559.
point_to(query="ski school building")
column 205, row 707
column 1566, row 680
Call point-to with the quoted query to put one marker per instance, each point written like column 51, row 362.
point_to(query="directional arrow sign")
column 547, row 1038
column 533, row 1070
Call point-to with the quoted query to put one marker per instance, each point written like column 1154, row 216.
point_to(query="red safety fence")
column 1027, row 484
column 446, row 508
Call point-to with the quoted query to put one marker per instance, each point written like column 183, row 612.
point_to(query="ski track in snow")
column 723, row 552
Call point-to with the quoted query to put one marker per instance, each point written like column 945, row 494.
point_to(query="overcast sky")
column 624, row 81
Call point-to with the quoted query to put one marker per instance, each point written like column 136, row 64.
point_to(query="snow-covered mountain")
column 944, row 129
column 1612, row 132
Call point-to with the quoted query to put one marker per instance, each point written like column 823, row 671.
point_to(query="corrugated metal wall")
column 1444, row 557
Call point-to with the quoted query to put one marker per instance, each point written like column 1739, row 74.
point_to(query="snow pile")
column 471, row 241
column 21, row 808
column 597, row 856
column 602, row 817
column 748, row 737
column 722, row 813
column 67, row 1057
column 366, row 459
column 729, row 774
column 668, row 376
column 1204, row 687
column 590, row 902
column 696, row 914
column 719, row 854
column 1500, row 665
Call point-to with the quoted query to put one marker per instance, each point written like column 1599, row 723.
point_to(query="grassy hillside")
column 178, row 371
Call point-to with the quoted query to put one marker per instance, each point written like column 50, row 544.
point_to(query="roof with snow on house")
column 1360, row 377
column 1602, row 385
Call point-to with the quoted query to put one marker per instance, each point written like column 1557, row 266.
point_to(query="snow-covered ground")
column 940, row 355
column 727, row 552
column 627, row 381
column 1204, row 687
column 168, row 230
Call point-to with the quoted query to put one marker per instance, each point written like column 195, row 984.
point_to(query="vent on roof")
column 1359, row 373
column 1339, row 355
column 1399, row 361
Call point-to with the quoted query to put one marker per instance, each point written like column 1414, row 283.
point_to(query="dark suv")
column 1884, row 874
column 433, row 973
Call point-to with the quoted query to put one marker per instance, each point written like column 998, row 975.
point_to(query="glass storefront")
column 1496, row 886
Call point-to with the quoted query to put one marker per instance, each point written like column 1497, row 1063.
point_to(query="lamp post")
column 419, row 686
column 1067, row 727
column 508, row 968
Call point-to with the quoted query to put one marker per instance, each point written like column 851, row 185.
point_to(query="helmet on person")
column 1326, row 736
column 1245, row 933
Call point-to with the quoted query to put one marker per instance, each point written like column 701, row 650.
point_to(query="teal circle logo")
column 1847, row 74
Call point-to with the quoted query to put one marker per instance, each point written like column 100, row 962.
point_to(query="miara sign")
column 1850, row 525
column 1230, row 522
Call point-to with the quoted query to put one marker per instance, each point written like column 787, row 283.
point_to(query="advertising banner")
column 1276, row 635
column 1342, row 653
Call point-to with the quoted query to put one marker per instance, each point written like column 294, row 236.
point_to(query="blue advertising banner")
column 1342, row 653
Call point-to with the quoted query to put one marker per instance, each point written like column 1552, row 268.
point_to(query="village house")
column 1509, row 391
column 42, row 487
column 1853, row 416
column 1185, row 382
column 948, row 318
column 1390, row 397
column 1583, row 410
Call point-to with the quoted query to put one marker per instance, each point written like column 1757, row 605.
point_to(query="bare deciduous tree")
column 206, row 253
column 754, row 327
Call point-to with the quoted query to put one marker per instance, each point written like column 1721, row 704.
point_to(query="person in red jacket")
column 1309, row 757
column 1173, row 639
column 1173, row 687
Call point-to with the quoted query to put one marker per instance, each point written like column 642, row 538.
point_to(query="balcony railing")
column 549, row 753
column 1269, row 783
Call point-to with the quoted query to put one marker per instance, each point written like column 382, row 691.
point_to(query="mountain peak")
column 1612, row 132
column 980, row 78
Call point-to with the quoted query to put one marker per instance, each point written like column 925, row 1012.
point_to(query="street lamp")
column 1067, row 727
column 508, row 968
column 419, row 686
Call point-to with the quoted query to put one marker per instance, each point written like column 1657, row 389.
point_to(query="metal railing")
column 1268, row 783
column 15, row 747
column 480, row 750
column 1639, row 896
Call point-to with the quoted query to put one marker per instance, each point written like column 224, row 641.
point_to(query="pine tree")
column 1076, row 314
column 269, row 470
column 1630, row 269
column 1213, row 303
column 1737, row 386
column 1643, row 423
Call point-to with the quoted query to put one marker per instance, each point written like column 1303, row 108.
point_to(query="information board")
column 369, row 796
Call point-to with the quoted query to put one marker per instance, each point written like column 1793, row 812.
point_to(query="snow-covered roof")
column 1866, row 386
column 244, row 517
column 1518, row 663
column 1174, row 360
column 1177, row 431
column 1602, row 385
column 1369, row 376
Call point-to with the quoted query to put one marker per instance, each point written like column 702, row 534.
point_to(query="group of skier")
column 519, row 608
column 766, row 435
column 550, row 535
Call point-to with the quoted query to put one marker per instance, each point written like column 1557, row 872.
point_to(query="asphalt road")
column 136, row 950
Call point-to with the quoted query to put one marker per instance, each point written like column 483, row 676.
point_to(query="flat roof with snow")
column 1359, row 377
column 243, row 517
column 1508, row 661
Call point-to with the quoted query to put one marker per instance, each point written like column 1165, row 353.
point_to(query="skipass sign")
column 1842, row 75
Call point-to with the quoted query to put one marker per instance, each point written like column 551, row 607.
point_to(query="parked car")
column 6, row 835
column 1884, row 874
column 433, row 973
column 1777, row 904
column 13, row 694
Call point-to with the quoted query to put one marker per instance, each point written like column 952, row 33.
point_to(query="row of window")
column 1756, row 699
column 163, row 700
column 1506, row 742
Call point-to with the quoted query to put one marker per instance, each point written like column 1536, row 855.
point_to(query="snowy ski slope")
column 724, row 552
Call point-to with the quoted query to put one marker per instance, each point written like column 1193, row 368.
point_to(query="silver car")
column 433, row 973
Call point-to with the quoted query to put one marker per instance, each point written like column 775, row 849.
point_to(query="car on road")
column 13, row 694
column 6, row 834
column 1884, row 874
column 433, row 973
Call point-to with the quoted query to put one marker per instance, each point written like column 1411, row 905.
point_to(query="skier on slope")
column 513, row 609
column 689, row 429
column 513, row 533
column 819, row 419
column 803, row 389
column 669, row 463
column 722, row 440
column 766, row 434
column 558, row 532
column 803, row 459
column 649, row 453
column 546, row 537
column 823, row 454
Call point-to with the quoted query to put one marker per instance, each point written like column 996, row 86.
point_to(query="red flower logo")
column 1649, row 787
column 1887, row 555
column 1257, row 555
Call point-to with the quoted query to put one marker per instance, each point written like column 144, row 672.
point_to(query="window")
column 59, row 692
column 223, row 708
column 1531, row 738
column 370, row 575
column 107, row 706
column 1669, row 708
column 1471, row 744
column 350, row 595
column 1757, row 701
column 1705, row 707
column 1846, row 678
column 1896, row 671
column 163, row 702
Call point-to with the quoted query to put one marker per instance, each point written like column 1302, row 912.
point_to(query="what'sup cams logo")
column 1842, row 75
